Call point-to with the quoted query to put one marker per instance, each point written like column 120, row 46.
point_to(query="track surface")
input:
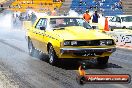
column 19, row 70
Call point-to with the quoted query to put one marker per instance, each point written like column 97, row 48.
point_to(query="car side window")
column 83, row 24
column 41, row 23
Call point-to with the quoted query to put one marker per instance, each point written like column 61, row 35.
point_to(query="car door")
column 39, row 33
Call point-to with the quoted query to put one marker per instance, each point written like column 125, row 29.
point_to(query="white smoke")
column 6, row 21
column 73, row 13
column 30, row 11
column 41, row 14
column 102, row 21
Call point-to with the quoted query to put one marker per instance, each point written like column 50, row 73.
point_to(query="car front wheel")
column 102, row 60
column 52, row 56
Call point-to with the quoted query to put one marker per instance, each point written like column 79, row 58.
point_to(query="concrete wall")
column 122, row 38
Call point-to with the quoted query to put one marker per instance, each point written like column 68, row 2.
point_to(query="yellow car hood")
column 79, row 33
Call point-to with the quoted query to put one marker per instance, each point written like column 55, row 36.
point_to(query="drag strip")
column 19, row 49
column 30, row 72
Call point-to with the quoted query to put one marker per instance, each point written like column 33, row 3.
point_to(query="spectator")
column 120, row 5
column 80, row 10
column 33, row 17
column 95, row 17
column 91, row 7
column 49, row 11
column 103, row 1
column 113, row 7
column 86, row 16
column 54, row 13
column 80, row 3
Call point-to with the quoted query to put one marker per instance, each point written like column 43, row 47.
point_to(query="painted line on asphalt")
column 3, row 41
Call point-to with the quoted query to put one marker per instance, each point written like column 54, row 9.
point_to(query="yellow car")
column 97, row 26
column 68, row 38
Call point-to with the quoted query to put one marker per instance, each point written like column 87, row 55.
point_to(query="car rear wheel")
column 124, row 27
column 36, row 53
column 81, row 80
column 30, row 47
column 102, row 60
column 110, row 28
column 52, row 56
column 32, row 51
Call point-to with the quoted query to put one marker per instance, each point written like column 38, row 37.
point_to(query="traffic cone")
column 81, row 71
column 106, row 27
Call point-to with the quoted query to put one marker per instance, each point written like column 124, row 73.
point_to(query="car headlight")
column 67, row 43
column 109, row 42
column 102, row 42
column 73, row 42
column 70, row 43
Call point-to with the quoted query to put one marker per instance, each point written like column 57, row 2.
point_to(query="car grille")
column 88, row 54
column 91, row 42
column 88, row 43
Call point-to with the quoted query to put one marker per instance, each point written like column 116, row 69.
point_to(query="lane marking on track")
column 13, row 40
column 3, row 41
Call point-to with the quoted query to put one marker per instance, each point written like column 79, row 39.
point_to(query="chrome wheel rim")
column 51, row 57
column 30, row 48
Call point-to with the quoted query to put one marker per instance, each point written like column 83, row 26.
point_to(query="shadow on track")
column 72, row 64
column 89, row 64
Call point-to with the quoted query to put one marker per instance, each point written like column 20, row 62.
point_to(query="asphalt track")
column 19, row 70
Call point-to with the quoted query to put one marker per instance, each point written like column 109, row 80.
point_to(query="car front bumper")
column 87, row 52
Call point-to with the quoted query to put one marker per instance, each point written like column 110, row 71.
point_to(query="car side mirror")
column 93, row 27
column 42, row 28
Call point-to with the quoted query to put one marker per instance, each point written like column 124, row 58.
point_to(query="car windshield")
column 127, row 19
column 65, row 22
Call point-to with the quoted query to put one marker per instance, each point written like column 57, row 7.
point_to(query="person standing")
column 54, row 13
column 87, row 16
column 33, row 17
column 95, row 17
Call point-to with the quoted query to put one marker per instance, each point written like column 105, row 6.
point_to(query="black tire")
column 32, row 51
column 110, row 28
column 124, row 27
column 43, row 56
column 53, row 60
column 102, row 60
column 81, row 80
column 36, row 53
